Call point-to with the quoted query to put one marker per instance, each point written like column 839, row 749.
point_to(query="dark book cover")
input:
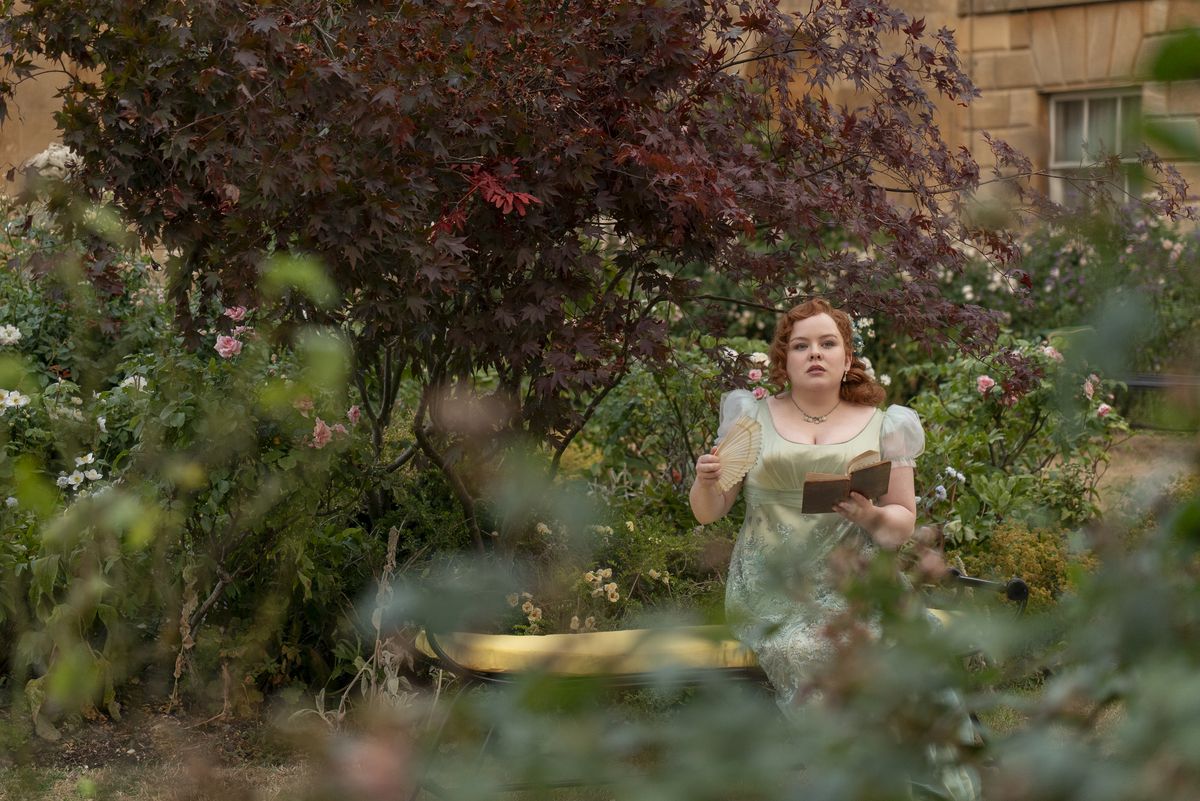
column 822, row 491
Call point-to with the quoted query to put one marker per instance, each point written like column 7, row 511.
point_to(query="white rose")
column 9, row 335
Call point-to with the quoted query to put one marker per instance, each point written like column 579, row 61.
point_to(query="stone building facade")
column 1065, row 82
column 30, row 128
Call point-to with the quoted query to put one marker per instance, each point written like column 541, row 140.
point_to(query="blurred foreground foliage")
column 1113, row 718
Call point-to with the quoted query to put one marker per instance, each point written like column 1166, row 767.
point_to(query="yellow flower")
column 629, row 525
column 614, row 596
column 610, row 586
column 653, row 574
column 543, row 529
column 589, row 624
column 597, row 592
column 574, row 622
column 527, row 607
column 590, row 577
column 605, row 573
column 512, row 599
column 535, row 615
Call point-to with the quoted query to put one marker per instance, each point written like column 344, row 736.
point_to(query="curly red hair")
column 858, row 387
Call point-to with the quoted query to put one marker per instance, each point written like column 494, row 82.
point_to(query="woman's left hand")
column 858, row 509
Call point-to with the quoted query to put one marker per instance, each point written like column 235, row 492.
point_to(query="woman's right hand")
column 708, row 469
column 708, row 502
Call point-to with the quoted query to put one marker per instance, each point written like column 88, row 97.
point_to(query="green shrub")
column 631, row 563
column 1039, row 556
column 192, row 512
column 995, row 457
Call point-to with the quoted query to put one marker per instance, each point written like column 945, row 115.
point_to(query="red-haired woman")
column 779, row 596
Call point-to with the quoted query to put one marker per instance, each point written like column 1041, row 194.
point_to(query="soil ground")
column 1149, row 461
column 153, row 755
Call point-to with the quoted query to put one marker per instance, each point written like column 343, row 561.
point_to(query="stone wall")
column 29, row 128
column 1020, row 57
column 1022, row 52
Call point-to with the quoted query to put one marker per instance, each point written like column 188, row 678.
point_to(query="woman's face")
column 817, row 356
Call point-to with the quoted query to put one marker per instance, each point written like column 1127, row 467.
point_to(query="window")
column 1085, row 128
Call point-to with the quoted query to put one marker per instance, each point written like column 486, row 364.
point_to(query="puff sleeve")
column 901, row 438
column 734, row 404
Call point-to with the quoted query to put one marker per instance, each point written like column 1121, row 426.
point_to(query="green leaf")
column 1178, row 58
column 304, row 274
column 13, row 372
column 1186, row 524
column 1179, row 138
column 34, row 491
column 326, row 358
column 968, row 507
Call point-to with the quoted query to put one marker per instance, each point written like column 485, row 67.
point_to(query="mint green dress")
column 778, row 596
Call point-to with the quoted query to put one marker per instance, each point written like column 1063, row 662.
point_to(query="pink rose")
column 984, row 383
column 241, row 329
column 755, row 375
column 353, row 414
column 1088, row 388
column 1052, row 352
column 338, row 428
column 1103, row 409
column 760, row 393
column 236, row 313
column 228, row 347
column 321, row 434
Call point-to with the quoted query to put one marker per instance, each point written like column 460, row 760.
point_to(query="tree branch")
column 401, row 460
column 683, row 428
column 456, row 485
column 1038, row 420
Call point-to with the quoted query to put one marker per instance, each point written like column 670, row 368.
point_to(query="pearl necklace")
column 815, row 419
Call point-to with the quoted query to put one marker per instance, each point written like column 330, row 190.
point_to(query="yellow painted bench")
column 625, row 657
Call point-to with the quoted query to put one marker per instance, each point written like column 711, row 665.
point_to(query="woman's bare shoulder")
column 862, row 410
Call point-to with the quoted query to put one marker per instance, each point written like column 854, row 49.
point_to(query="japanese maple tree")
column 513, row 188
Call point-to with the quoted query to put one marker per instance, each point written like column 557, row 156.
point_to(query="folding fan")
column 738, row 451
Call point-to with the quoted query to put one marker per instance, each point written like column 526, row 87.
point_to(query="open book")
column 866, row 475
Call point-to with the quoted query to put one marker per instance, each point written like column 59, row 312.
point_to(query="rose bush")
column 994, row 457
column 158, row 498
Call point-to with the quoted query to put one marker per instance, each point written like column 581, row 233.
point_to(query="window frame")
column 1058, row 168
